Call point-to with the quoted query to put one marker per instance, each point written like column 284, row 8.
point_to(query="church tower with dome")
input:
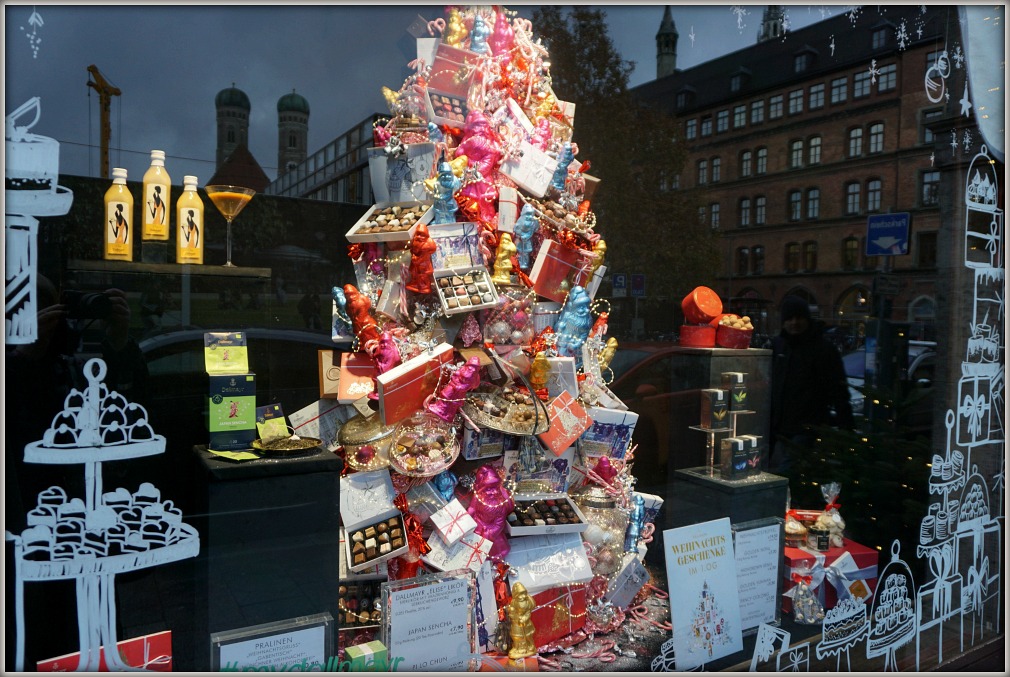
column 292, row 132
column 233, row 108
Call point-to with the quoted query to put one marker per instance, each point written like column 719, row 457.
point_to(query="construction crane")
column 105, row 94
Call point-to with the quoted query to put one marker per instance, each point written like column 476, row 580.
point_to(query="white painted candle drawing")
column 107, row 533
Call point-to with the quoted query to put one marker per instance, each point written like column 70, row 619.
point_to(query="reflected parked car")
column 921, row 368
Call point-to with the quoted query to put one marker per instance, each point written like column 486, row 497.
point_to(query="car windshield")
column 624, row 359
column 855, row 364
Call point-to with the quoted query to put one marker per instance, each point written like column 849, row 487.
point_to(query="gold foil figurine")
column 456, row 33
column 503, row 261
column 607, row 353
column 521, row 623
column 601, row 251
column 540, row 371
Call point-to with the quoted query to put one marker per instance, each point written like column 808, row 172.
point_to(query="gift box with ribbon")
column 403, row 389
column 610, row 434
column 469, row 552
column 369, row 657
column 629, row 580
column 508, row 209
column 532, row 170
column 558, row 612
column 558, row 268
column 452, row 522
column 568, row 421
column 542, row 562
column 835, row 574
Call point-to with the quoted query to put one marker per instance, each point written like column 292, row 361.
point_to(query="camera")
column 87, row 305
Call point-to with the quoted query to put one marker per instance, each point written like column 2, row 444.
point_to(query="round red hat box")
column 731, row 337
column 701, row 305
column 697, row 335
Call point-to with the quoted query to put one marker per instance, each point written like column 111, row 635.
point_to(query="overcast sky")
column 170, row 61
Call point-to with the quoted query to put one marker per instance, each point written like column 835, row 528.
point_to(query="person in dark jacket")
column 809, row 388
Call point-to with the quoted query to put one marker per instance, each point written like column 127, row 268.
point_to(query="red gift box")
column 558, row 268
column 805, row 562
column 357, row 374
column 559, row 612
column 403, row 389
column 568, row 421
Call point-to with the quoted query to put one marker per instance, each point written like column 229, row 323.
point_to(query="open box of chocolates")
column 374, row 528
column 359, row 604
column 446, row 109
column 390, row 222
column 460, row 291
column 382, row 540
column 509, row 409
column 376, row 572
column 544, row 514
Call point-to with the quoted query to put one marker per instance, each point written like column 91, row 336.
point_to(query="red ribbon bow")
column 412, row 527
column 355, row 250
column 797, row 578
column 831, row 506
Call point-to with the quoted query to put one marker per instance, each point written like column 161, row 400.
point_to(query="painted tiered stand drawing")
column 91, row 540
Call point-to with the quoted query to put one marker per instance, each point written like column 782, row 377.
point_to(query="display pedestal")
column 272, row 538
column 700, row 494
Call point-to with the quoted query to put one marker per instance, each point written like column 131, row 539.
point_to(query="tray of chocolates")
column 359, row 605
column 446, row 108
column 509, row 409
column 367, row 545
column 544, row 514
column 465, row 290
column 390, row 222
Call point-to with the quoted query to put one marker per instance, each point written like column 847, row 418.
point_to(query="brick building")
column 797, row 140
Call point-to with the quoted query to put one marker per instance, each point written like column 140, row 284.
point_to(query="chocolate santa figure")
column 359, row 309
column 503, row 260
column 450, row 398
column 491, row 504
column 525, row 227
column 421, row 270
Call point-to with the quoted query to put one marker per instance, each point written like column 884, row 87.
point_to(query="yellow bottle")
column 157, row 198
column 118, row 218
column 189, row 217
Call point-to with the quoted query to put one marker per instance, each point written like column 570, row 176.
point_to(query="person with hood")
column 809, row 388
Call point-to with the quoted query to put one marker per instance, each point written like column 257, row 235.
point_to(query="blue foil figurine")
column 561, row 173
column 574, row 324
column 636, row 523
column 341, row 322
column 445, row 484
column 525, row 227
column 435, row 134
column 479, row 35
column 448, row 183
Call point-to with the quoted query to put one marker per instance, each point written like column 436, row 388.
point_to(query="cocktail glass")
column 229, row 200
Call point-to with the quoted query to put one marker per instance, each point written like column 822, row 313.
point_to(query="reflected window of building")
column 879, row 38
column 760, row 209
column 877, row 137
column 861, row 85
column 757, row 112
column 722, row 121
column 706, row 126
column 839, row 90
column 793, row 257
column 745, row 162
column 852, row 198
column 809, row 256
column 702, row 172
column 874, row 188
column 742, row 261
column 814, row 150
column 716, row 169
column 739, row 116
column 855, row 142
column 714, row 209
column 816, row 97
column 795, row 205
column 775, row 107
column 691, row 130
column 796, row 102
column 927, row 118
column 929, row 193
column 850, row 253
column 853, row 310
column 758, row 260
column 762, row 160
column 813, row 203
column 796, row 154
column 887, row 78
column 744, row 212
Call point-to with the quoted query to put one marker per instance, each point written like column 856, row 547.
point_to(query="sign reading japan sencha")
column 704, row 601
column 430, row 621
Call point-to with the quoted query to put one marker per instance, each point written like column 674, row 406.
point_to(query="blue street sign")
column 638, row 285
column 887, row 234
column 619, row 285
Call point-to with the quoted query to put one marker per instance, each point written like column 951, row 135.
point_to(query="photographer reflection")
column 38, row 378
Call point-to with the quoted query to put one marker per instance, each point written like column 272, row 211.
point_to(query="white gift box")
column 548, row 473
column 355, row 234
column 397, row 178
column 482, row 443
column 424, row 500
column 629, row 580
column 532, row 171
column 562, row 377
column 508, row 209
column 469, row 552
column 610, row 434
column 543, row 562
column 366, row 499
column 452, row 522
column 389, row 301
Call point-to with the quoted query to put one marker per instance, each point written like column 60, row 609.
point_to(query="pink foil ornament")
column 542, row 134
column 503, row 39
column 386, row 356
column 605, row 470
column 451, row 397
column 491, row 504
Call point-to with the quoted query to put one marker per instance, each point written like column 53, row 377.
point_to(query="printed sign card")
column 704, row 599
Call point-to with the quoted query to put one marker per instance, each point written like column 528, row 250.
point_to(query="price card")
column 430, row 622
